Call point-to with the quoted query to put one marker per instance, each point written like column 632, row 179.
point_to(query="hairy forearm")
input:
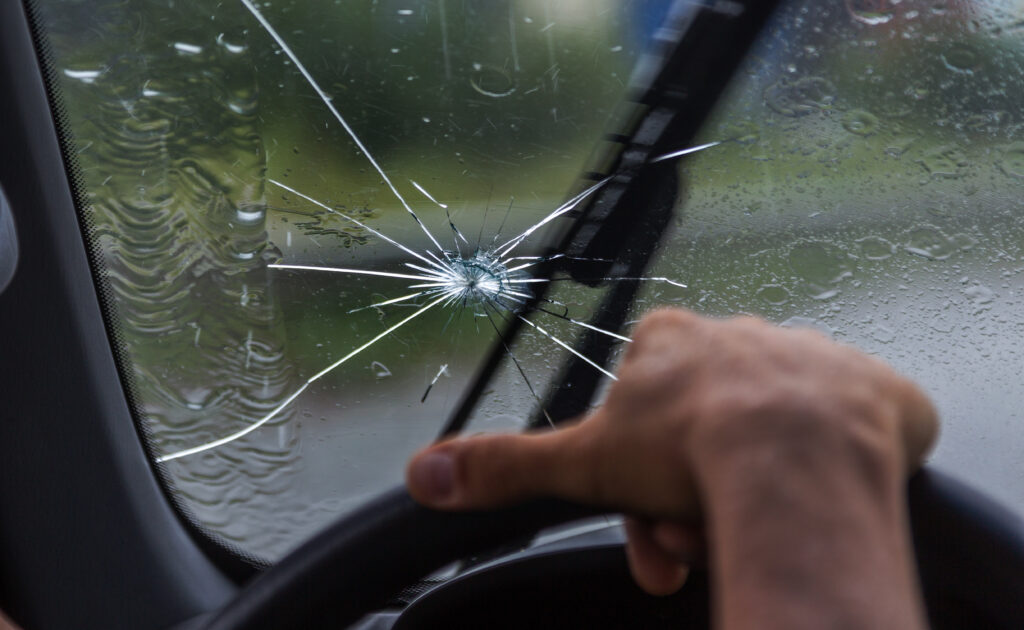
column 810, row 537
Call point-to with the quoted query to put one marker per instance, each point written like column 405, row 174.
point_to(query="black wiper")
column 674, row 88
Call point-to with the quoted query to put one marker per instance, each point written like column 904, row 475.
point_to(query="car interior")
column 201, row 429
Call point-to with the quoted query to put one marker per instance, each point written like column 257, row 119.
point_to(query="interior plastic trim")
column 8, row 243
column 87, row 537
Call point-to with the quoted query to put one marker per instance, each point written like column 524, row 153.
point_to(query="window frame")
column 88, row 537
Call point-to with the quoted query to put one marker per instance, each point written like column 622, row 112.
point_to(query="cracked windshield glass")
column 312, row 220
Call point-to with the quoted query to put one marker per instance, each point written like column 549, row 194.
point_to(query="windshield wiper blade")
column 674, row 88
column 693, row 57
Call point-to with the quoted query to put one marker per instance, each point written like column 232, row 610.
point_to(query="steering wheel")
column 970, row 554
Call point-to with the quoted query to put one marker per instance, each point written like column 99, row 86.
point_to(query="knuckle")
column 747, row 321
column 809, row 336
column 741, row 404
column 666, row 319
column 662, row 336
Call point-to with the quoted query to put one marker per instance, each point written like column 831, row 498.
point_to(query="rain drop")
column 188, row 49
column 800, row 97
column 775, row 294
column 929, row 242
column 860, row 122
column 1012, row 162
column 492, row 81
column 961, row 59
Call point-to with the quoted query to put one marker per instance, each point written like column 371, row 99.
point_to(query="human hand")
column 716, row 423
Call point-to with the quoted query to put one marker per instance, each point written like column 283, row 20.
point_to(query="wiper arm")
column 675, row 86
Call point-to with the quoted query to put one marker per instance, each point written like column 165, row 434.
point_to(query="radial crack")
column 326, row 98
column 364, row 272
column 267, row 418
column 508, row 246
column 586, row 325
column 519, row 366
column 427, row 195
column 682, row 152
column 602, row 279
column 397, row 300
column 357, row 222
column 568, row 347
column 443, row 370
column 490, row 282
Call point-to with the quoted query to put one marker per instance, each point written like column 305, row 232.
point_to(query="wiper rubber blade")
column 673, row 89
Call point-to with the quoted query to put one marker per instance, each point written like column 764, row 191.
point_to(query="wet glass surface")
column 873, row 190
column 867, row 184
column 208, row 154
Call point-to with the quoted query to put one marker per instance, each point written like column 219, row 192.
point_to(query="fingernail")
column 434, row 475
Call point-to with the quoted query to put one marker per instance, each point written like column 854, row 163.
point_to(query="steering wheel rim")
column 370, row 554
column 970, row 555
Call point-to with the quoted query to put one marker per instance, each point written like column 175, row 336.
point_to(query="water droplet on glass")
column 492, row 81
column 979, row 294
column 961, row 59
column 250, row 214
column 743, row 132
column 899, row 145
column 946, row 161
column 773, row 294
column 85, row 76
column 963, row 242
column 187, row 49
column 876, row 248
column 860, row 122
column 234, row 49
column 827, row 294
column 929, row 242
column 1012, row 162
column 800, row 97
column 820, row 264
column 883, row 334
column 870, row 12
column 240, row 107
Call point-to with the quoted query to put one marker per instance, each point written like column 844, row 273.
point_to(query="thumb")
column 495, row 470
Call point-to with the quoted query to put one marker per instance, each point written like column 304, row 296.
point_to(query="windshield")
column 311, row 220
